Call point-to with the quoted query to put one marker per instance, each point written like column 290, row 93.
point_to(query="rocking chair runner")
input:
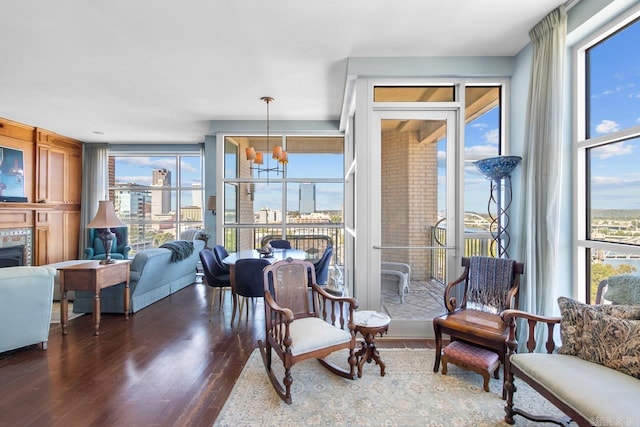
column 304, row 322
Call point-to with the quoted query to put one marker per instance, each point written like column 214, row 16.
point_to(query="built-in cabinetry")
column 53, row 187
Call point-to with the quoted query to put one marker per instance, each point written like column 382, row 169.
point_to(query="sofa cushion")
column 600, row 394
column 572, row 324
column 612, row 342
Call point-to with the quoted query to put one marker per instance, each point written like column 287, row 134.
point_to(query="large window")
column 158, row 197
column 608, row 156
column 301, row 201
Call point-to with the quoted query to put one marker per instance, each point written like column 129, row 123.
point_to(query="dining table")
column 273, row 256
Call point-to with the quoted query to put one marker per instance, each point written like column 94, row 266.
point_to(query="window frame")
column 583, row 245
column 177, row 189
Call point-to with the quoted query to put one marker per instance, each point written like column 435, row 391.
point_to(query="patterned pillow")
column 572, row 323
column 612, row 342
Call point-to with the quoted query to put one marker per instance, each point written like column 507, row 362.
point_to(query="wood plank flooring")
column 168, row 365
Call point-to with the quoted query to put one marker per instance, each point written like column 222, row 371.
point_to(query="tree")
column 162, row 238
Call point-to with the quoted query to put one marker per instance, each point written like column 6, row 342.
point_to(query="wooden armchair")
column 304, row 322
column 489, row 286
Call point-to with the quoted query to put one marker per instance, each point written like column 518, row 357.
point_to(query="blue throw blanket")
column 180, row 249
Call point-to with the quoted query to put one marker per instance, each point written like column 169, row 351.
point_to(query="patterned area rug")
column 410, row 394
column 55, row 312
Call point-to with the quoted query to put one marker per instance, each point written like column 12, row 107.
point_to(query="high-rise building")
column 160, row 199
column 307, row 198
column 196, row 194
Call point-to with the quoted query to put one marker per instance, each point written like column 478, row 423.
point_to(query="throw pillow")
column 612, row 342
column 572, row 323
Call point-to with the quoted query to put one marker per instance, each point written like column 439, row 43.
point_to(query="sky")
column 615, row 106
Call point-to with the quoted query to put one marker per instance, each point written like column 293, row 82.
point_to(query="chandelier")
column 257, row 158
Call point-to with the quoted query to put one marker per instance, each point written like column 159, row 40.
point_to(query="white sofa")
column 594, row 378
column 25, row 306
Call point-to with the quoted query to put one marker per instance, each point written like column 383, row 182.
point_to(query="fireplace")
column 16, row 246
column 12, row 256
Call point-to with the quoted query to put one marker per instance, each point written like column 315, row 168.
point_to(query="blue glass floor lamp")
column 498, row 170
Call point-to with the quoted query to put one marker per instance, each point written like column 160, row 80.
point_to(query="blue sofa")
column 25, row 306
column 153, row 277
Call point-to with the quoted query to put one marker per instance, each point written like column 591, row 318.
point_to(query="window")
column 301, row 201
column 158, row 197
column 608, row 156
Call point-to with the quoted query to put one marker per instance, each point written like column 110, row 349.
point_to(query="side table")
column 369, row 324
column 93, row 276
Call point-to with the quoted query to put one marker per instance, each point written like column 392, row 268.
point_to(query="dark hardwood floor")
column 168, row 365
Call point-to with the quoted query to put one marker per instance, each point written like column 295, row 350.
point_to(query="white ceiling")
column 158, row 70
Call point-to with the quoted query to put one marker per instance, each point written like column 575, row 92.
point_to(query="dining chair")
column 216, row 276
column 247, row 283
column 322, row 266
column 221, row 253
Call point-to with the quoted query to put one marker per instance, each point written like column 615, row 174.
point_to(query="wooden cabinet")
column 57, row 236
column 53, row 187
column 59, row 167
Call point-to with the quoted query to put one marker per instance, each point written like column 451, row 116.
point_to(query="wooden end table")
column 370, row 324
column 93, row 276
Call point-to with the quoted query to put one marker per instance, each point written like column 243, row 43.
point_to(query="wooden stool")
column 473, row 358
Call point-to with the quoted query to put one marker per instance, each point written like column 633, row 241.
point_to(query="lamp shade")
column 106, row 216
column 211, row 203
column 497, row 167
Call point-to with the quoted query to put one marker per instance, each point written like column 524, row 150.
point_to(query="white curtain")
column 542, row 161
column 95, row 186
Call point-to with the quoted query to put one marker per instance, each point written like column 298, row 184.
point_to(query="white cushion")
column 600, row 394
column 311, row 333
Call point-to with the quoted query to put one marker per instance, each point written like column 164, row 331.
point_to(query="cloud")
column 481, row 151
column 631, row 179
column 479, row 125
column 612, row 150
column 138, row 179
column 607, row 126
column 492, row 136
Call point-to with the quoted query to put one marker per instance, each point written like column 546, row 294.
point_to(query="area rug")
column 55, row 312
column 410, row 394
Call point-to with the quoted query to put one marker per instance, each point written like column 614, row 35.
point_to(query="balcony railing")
column 475, row 244
column 312, row 240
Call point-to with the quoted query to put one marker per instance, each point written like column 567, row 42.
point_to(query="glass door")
column 417, row 206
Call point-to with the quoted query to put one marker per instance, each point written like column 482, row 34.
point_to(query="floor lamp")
column 498, row 170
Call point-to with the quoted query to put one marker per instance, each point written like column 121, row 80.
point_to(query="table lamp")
column 211, row 205
column 105, row 219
